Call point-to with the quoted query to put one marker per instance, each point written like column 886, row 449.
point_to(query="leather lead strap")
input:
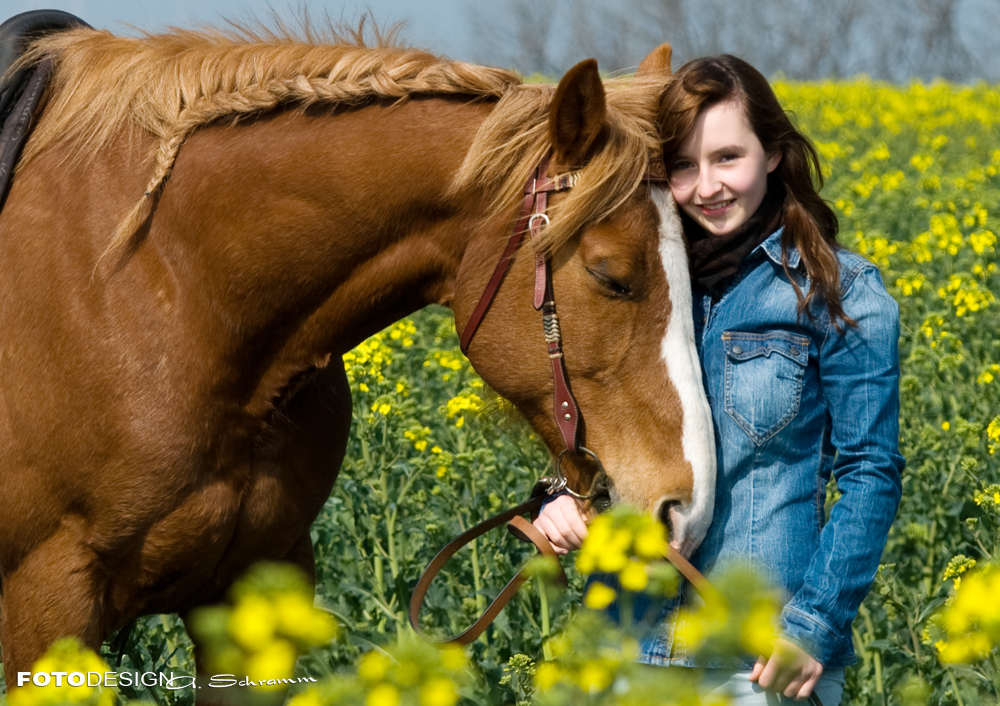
column 521, row 528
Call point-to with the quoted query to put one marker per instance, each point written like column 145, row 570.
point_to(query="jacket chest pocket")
column 764, row 373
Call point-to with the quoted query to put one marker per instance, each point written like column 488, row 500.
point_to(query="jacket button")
column 793, row 351
column 737, row 349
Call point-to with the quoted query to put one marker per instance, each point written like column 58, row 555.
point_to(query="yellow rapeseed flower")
column 253, row 622
column 634, row 577
column 594, row 676
column 373, row 666
column 275, row 661
column 384, row 695
column 68, row 656
column 547, row 675
column 438, row 691
column 599, row 596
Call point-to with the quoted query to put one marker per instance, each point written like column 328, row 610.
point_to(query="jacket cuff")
column 810, row 633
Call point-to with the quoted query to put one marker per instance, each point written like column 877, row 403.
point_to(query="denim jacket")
column 793, row 400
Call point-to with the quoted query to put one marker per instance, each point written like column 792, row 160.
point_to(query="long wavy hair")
column 810, row 223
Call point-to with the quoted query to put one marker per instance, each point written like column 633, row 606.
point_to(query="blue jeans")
column 735, row 684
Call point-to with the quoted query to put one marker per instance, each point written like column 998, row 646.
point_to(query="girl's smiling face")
column 719, row 174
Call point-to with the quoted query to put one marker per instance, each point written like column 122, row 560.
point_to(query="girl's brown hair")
column 810, row 224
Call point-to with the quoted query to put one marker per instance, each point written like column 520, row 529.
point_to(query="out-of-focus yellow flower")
column 438, row 691
column 594, row 676
column 634, row 577
column 599, row 596
column 972, row 619
column 547, row 675
column 309, row 697
column 253, row 622
column 454, row 658
column 651, row 542
column 373, row 666
column 384, row 695
column 69, row 657
column 993, row 434
column 759, row 628
column 629, row 543
column 275, row 661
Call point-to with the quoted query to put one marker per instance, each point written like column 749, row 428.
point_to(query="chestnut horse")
column 172, row 402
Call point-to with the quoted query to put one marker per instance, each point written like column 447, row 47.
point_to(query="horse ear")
column 657, row 63
column 577, row 114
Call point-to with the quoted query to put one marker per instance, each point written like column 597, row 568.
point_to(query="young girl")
column 798, row 345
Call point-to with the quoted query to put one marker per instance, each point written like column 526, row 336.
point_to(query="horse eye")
column 613, row 287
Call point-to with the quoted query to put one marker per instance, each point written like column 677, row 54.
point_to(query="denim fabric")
column 793, row 400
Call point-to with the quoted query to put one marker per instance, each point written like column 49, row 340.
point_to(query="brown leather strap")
column 687, row 570
column 498, row 273
column 523, row 529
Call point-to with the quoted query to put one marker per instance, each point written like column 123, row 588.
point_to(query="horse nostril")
column 664, row 515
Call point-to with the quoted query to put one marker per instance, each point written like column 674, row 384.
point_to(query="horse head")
column 619, row 274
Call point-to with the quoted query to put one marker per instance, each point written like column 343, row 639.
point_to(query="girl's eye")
column 728, row 157
column 679, row 166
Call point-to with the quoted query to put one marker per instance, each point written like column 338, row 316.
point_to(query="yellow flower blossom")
column 275, row 661
column 599, row 596
column 547, row 675
column 438, row 691
column 594, row 676
column 373, row 666
column 68, row 657
column 384, row 695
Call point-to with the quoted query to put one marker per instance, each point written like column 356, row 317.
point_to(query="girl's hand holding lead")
column 563, row 522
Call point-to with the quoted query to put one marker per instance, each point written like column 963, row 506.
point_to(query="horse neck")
column 309, row 233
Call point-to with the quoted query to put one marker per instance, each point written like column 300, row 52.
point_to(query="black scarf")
column 714, row 259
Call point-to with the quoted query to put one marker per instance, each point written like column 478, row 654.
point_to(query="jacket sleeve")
column 859, row 373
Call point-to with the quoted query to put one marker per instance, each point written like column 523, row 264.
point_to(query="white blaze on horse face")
column 689, row 521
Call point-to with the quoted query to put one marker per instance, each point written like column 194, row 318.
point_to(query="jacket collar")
column 772, row 248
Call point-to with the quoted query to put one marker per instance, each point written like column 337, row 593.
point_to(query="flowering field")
column 913, row 174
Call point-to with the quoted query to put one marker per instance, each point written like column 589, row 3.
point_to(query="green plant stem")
column 995, row 663
column 954, row 686
column 546, row 630
column 477, row 582
column 876, row 656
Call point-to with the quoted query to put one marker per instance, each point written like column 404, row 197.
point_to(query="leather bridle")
column 532, row 220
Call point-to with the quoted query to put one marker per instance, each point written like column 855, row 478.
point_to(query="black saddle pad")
column 21, row 91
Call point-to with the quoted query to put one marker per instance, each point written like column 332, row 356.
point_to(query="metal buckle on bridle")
column 557, row 481
column 543, row 217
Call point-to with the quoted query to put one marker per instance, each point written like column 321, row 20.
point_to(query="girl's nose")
column 708, row 183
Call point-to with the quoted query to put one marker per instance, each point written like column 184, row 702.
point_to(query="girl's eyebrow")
column 727, row 149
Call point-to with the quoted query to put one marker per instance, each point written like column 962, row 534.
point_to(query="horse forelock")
column 515, row 137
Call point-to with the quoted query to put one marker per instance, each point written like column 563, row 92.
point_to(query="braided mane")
column 169, row 85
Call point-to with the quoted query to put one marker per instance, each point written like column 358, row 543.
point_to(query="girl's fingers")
column 562, row 523
column 544, row 525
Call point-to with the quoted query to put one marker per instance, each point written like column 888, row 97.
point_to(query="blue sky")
column 439, row 25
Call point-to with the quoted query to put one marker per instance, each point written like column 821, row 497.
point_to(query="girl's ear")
column 773, row 161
